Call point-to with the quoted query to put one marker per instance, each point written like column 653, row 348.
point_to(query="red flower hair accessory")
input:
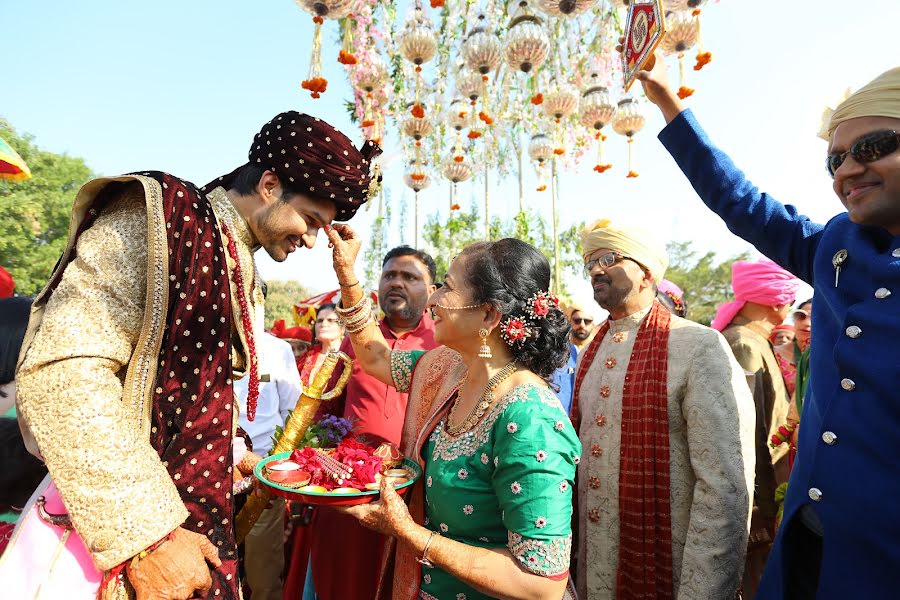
column 513, row 331
column 540, row 304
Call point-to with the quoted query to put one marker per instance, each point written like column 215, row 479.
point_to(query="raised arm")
column 776, row 230
column 372, row 350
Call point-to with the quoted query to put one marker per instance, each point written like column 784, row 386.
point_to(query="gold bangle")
column 424, row 560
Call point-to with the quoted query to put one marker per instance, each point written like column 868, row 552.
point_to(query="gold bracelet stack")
column 357, row 317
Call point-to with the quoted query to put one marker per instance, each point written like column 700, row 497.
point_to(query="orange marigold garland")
column 601, row 167
column 685, row 92
column 703, row 59
column 537, row 99
column 347, row 58
column 418, row 111
column 631, row 172
column 473, row 134
column 486, row 118
column 315, row 83
column 437, row 3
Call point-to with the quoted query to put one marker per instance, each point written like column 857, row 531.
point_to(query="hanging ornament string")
column 247, row 323
column 316, row 84
column 346, row 55
column 683, row 91
column 601, row 167
column 631, row 172
column 703, row 56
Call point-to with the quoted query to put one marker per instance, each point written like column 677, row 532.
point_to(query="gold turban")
column 878, row 98
column 633, row 242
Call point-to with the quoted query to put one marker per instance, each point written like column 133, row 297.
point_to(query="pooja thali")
column 285, row 478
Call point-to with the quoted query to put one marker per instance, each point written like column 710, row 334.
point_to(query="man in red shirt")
column 345, row 555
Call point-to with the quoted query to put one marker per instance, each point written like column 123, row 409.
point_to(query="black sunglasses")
column 579, row 321
column 867, row 149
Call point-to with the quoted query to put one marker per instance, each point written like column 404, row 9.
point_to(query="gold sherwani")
column 89, row 362
column 711, row 420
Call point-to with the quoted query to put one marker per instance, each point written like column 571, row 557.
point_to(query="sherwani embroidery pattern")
column 708, row 527
column 133, row 217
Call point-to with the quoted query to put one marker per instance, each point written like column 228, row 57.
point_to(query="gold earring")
column 485, row 350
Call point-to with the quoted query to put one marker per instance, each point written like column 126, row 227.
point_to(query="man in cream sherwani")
column 666, row 420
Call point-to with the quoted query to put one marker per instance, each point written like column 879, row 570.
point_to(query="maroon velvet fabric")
column 192, row 403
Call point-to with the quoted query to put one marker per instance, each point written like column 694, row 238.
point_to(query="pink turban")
column 761, row 282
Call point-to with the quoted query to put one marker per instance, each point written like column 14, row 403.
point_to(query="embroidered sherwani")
column 711, row 420
column 91, row 382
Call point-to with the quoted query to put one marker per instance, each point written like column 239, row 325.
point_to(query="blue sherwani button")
column 829, row 437
column 848, row 384
column 815, row 494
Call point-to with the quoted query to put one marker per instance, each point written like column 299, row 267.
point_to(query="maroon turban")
column 312, row 157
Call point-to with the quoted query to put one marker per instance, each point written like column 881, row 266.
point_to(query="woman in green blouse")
column 491, row 516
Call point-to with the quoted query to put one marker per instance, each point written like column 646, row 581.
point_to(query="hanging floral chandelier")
column 468, row 86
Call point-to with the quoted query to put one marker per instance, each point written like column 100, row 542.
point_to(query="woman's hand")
column 388, row 515
column 346, row 245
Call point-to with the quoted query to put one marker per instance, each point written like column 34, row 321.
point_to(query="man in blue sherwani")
column 840, row 536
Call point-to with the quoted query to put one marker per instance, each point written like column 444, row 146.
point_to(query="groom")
column 125, row 378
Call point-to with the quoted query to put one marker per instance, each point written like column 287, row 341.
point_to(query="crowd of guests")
column 641, row 456
column 745, row 393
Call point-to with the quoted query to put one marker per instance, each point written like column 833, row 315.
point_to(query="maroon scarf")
column 645, row 516
column 192, row 399
column 191, row 420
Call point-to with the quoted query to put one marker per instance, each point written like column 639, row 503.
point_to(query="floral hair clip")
column 540, row 304
column 514, row 331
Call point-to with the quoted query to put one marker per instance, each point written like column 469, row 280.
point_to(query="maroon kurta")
column 345, row 555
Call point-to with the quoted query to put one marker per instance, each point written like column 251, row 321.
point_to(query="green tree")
column 705, row 281
column 35, row 213
column 446, row 239
column 374, row 254
column 281, row 297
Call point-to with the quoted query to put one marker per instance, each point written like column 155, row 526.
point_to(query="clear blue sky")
column 183, row 86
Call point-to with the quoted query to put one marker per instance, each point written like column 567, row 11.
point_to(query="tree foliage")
column 705, row 281
column 35, row 213
column 446, row 239
column 374, row 254
column 281, row 298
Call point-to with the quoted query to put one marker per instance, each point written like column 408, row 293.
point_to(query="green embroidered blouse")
column 507, row 483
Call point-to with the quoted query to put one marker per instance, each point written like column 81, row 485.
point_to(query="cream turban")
column 878, row 98
column 633, row 242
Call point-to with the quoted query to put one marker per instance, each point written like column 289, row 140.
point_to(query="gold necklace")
column 487, row 398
